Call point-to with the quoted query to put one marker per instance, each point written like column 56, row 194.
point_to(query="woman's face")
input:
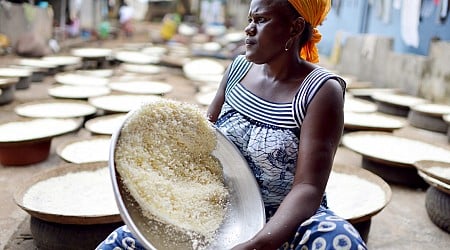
column 267, row 31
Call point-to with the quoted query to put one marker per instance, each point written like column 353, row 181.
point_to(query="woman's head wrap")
column 314, row 12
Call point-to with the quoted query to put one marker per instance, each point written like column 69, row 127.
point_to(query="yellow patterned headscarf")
column 314, row 12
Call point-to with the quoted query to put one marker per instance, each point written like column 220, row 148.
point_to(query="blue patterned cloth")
column 121, row 238
column 325, row 230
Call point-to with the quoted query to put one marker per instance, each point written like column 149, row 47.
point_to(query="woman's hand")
column 255, row 244
column 248, row 245
column 240, row 247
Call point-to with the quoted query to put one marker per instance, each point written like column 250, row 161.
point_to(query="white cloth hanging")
column 428, row 8
column 444, row 9
column 377, row 5
column 397, row 4
column 387, row 6
column 212, row 12
column 410, row 17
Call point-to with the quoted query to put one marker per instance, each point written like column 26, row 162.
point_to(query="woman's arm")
column 216, row 105
column 320, row 135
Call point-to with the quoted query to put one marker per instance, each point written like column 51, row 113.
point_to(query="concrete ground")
column 402, row 225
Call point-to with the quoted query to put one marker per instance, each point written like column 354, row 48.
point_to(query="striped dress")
column 267, row 134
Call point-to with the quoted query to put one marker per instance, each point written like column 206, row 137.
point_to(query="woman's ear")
column 298, row 26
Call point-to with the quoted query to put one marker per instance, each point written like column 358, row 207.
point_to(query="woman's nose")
column 250, row 29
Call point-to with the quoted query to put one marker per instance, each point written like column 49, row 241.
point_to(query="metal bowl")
column 245, row 213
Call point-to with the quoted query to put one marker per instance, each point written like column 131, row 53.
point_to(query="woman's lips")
column 249, row 42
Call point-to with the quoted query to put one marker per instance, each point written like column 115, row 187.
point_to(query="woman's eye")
column 260, row 19
column 257, row 19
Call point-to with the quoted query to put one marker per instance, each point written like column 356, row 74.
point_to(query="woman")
column 285, row 114
column 126, row 13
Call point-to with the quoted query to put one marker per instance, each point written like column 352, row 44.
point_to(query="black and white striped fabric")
column 267, row 133
column 284, row 115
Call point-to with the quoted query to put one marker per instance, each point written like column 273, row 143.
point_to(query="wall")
column 359, row 17
column 357, row 41
column 16, row 19
column 351, row 20
column 429, row 28
column 372, row 58
column 436, row 77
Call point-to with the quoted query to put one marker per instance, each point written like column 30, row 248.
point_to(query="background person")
column 126, row 13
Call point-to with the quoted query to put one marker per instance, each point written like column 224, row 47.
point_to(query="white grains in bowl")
column 164, row 157
column 359, row 105
column 376, row 120
column 121, row 102
column 446, row 118
column 80, row 80
column 394, row 148
column 78, row 92
column 55, row 109
column 105, row 124
column 398, row 99
column 141, row 87
column 442, row 172
column 141, row 68
column 432, row 108
column 35, row 129
column 84, row 193
column 351, row 196
column 89, row 150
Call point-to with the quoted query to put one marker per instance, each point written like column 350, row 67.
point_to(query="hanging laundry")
column 443, row 13
column 428, row 7
column 336, row 6
column 410, row 18
column 387, row 6
column 377, row 5
column 212, row 12
column 397, row 4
